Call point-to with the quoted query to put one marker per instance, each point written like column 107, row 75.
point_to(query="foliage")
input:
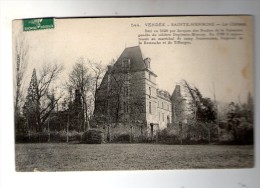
column 206, row 111
column 76, row 113
column 93, row 136
column 168, row 136
column 98, row 72
column 53, row 136
column 41, row 100
column 79, row 82
column 202, row 113
column 202, row 108
column 240, row 121
column 122, row 138
column 31, row 108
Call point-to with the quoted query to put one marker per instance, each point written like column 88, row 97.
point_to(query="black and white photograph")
column 133, row 93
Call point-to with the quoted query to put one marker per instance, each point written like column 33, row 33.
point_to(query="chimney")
column 177, row 90
column 147, row 62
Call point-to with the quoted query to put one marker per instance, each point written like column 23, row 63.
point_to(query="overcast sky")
column 225, row 64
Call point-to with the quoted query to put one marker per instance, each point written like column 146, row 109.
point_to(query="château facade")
column 129, row 94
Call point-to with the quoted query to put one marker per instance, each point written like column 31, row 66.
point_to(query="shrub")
column 48, row 137
column 122, row 138
column 244, row 133
column 32, row 138
column 168, row 136
column 143, row 139
column 93, row 136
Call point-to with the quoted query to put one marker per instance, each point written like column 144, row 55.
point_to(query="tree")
column 31, row 108
column 203, row 112
column 250, row 108
column 47, row 94
column 80, row 81
column 240, row 121
column 98, row 70
column 21, row 58
column 76, row 113
column 118, row 93
column 206, row 110
column 41, row 99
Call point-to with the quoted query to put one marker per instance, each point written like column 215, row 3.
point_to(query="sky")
column 226, row 65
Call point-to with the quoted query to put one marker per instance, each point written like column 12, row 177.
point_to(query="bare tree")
column 47, row 97
column 117, row 91
column 21, row 58
column 41, row 98
column 21, row 61
column 99, row 71
column 80, row 79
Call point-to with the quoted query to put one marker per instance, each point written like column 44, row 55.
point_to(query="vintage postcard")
column 133, row 93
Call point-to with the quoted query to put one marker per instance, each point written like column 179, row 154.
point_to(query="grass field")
column 64, row 157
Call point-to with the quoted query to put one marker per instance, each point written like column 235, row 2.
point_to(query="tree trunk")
column 131, row 138
column 180, row 127
column 85, row 114
column 68, row 127
column 49, row 136
column 117, row 109
column 209, row 136
column 108, row 133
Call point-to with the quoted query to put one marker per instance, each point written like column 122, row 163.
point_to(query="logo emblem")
column 38, row 24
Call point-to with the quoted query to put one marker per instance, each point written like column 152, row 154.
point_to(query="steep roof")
column 163, row 94
column 135, row 55
column 177, row 91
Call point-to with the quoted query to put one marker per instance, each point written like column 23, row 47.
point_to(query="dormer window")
column 147, row 62
column 126, row 63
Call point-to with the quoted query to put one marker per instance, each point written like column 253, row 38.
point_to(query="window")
column 168, row 119
column 159, row 116
column 147, row 62
column 150, row 92
column 162, row 104
column 149, row 76
column 126, row 63
column 162, row 116
column 150, row 107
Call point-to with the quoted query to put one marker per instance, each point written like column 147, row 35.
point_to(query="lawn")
column 64, row 157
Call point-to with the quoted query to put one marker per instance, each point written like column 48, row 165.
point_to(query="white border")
column 173, row 178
